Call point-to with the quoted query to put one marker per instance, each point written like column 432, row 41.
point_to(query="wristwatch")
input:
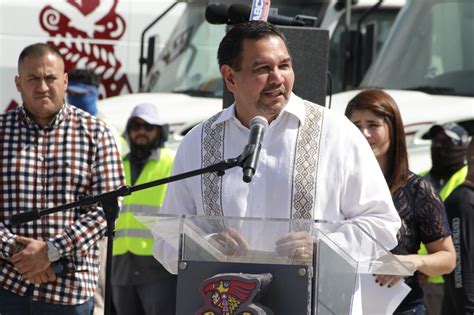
column 53, row 252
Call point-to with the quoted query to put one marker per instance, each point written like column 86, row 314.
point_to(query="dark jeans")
column 14, row 304
column 146, row 299
column 418, row 310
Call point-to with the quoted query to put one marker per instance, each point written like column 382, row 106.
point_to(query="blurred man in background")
column 449, row 145
column 83, row 90
column 140, row 283
column 459, row 285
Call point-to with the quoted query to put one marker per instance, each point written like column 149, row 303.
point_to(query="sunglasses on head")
column 135, row 126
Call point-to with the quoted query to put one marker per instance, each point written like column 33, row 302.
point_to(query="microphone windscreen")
column 259, row 120
column 216, row 13
column 239, row 13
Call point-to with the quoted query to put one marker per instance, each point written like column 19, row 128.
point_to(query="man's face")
column 141, row 133
column 42, row 84
column 264, row 83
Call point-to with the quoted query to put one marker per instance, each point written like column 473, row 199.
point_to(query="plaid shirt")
column 75, row 155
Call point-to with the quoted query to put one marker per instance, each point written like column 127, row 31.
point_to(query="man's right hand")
column 45, row 276
column 231, row 242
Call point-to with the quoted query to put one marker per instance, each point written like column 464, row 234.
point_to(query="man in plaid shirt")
column 51, row 153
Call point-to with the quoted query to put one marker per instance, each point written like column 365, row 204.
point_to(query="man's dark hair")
column 86, row 76
column 38, row 50
column 230, row 48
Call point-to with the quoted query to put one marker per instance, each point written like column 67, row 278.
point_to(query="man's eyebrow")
column 262, row 62
column 259, row 63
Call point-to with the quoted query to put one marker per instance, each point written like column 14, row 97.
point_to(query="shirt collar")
column 63, row 113
column 294, row 107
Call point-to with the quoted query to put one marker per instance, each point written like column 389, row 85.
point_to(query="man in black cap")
column 449, row 143
column 449, row 146
column 459, row 284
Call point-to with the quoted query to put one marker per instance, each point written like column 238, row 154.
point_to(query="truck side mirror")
column 351, row 57
column 150, row 56
column 369, row 49
column 148, row 60
column 359, row 49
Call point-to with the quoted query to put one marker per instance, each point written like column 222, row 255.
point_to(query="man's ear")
column 227, row 74
column 66, row 81
column 17, row 83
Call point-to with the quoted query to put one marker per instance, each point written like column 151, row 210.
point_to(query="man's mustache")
column 279, row 87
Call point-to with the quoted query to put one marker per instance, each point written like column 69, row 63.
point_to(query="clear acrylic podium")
column 322, row 282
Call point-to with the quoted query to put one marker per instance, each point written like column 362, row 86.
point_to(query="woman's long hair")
column 383, row 105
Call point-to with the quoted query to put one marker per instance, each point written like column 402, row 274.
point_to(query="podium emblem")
column 234, row 293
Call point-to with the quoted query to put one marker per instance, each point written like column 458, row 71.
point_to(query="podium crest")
column 234, row 293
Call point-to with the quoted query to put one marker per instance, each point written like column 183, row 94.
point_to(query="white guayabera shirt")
column 314, row 164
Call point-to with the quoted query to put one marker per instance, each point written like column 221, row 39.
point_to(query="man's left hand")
column 296, row 245
column 32, row 259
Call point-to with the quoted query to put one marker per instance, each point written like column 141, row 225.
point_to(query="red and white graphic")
column 260, row 10
column 88, row 19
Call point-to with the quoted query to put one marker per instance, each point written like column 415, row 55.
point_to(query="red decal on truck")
column 98, row 21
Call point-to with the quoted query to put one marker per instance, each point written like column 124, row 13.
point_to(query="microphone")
column 238, row 13
column 25, row 217
column 258, row 126
column 217, row 13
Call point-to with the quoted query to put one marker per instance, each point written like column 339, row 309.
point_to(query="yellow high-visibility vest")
column 130, row 234
column 453, row 182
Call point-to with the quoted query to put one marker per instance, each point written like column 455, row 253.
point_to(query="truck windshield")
column 425, row 50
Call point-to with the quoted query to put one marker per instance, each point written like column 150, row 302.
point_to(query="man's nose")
column 42, row 85
column 276, row 77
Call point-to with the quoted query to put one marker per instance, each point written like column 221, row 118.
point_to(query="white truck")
column 112, row 36
column 105, row 35
column 427, row 66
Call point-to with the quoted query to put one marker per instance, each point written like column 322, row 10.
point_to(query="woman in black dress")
column 423, row 215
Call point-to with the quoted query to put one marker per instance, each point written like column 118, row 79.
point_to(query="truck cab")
column 427, row 66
